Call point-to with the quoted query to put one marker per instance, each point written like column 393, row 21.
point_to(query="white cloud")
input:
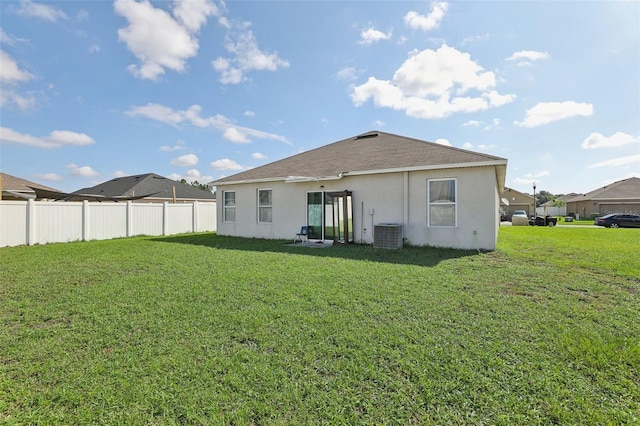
column 485, row 147
column 10, row 72
column 429, row 84
column 475, row 38
column 618, row 162
column 234, row 135
column 429, row 22
column 497, row 100
column 56, row 138
column 12, row 75
column 119, row 173
column 84, row 171
column 82, row 16
column 444, row 142
column 258, row 156
column 226, row 164
column 347, row 74
column 94, row 48
column 157, row 39
column 467, row 145
column 159, row 113
column 526, row 181
column 371, row 35
column 472, row 123
column 40, row 11
column 379, row 123
column 548, row 112
column 192, row 176
column 528, row 56
column 9, row 98
column 180, row 145
column 246, row 57
column 54, row 177
column 186, row 160
column 495, row 123
column 249, row 113
column 598, row 140
column 6, row 38
column 193, row 14
column 229, row 130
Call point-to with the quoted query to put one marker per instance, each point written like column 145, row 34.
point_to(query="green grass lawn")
column 204, row 329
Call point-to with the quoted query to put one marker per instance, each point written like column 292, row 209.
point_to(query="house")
column 154, row 188
column 512, row 200
column 367, row 189
column 18, row 189
column 622, row 196
column 552, row 207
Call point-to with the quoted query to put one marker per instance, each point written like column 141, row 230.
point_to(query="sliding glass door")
column 314, row 215
column 330, row 216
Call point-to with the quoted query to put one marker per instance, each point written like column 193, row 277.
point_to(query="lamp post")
column 534, row 201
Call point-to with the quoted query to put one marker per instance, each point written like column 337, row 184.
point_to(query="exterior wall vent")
column 387, row 235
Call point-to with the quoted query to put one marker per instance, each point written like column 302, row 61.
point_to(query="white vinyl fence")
column 41, row 222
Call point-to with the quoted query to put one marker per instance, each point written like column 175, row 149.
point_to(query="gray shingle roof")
column 622, row 189
column 13, row 183
column 150, row 183
column 371, row 152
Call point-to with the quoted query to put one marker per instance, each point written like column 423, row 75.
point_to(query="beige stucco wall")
column 399, row 197
column 589, row 208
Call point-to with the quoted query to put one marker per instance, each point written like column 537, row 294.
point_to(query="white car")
column 520, row 213
column 519, row 218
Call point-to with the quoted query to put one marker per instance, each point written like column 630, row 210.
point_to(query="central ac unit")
column 387, row 235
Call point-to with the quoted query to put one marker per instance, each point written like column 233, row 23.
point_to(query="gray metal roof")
column 368, row 153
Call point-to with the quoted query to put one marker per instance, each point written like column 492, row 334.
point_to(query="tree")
column 196, row 184
column 542, row 197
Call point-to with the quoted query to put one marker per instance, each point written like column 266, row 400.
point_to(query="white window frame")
column 442, row 203
column 265, row 207
column 227, row 208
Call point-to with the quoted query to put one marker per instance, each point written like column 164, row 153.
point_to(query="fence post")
column 165, row 218
column 85, row 220
column 194, row 222
column 31, row 222
column 129, row 218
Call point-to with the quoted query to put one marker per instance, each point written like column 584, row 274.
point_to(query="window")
column 229, row 206
column 442, row 202
column 265, row 213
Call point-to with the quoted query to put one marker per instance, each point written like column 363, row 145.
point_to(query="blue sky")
column 198, row 89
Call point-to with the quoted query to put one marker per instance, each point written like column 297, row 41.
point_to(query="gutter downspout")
column 405, row 206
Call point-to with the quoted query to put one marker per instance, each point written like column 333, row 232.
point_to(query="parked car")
column 617, row 220
column 504, row 216
column 544, row 221
column 519, row 213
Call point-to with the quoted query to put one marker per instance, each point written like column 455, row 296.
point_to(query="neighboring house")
column 366, row 188
column 622, row 196
column 155, row 188
column 15, row 188
column 551, row 208
column 516, row 201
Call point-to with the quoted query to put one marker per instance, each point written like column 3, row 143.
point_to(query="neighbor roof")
column 20, row 188
column 151, row 184
column 369, row 153
column 622, row 189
